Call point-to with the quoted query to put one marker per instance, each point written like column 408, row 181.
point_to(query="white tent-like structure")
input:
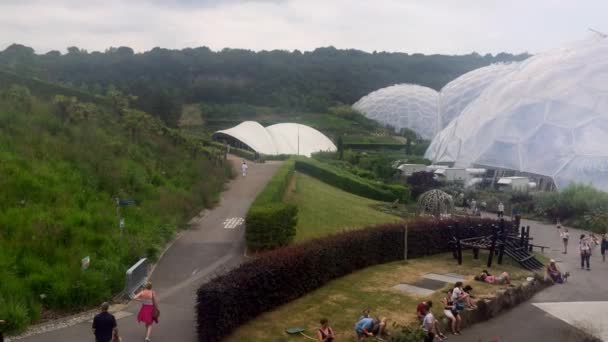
column 548, row 116
column 283, row 138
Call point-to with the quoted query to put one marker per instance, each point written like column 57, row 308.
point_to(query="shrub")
column 421, row 182
column 249, row 155
column 270, row 222
column 351, row 183
column 277, row 277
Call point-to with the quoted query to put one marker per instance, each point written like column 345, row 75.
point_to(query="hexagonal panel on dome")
column 590, row 138
column 500, row 154
column 591, row 170
column 569, row 115
column 547, row 150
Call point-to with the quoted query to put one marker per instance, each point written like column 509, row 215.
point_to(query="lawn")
column 342, row 300
column 324, row 210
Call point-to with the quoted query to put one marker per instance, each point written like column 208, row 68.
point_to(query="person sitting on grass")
column 555, row 274
column 502, row 279
column 368, row 327
column 325, row 334
column 460, row 298
column 449, row 310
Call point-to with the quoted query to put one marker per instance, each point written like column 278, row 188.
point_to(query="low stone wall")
column 505, row 299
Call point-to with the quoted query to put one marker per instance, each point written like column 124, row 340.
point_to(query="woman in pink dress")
column 147, row 314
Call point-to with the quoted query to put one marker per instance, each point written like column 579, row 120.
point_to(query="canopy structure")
column 548, row 116
column 283, row 138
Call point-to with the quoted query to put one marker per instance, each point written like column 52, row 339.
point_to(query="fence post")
column 405, row 243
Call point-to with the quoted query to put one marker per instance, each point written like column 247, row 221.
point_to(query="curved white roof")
column 403, row 106
column 290, row 138
column 254, row 135
column 456, row 95
column 283, row 138
column 549, row 117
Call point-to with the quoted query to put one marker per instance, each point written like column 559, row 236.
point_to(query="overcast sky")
column 426, row 26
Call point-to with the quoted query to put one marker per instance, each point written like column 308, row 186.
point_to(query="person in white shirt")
column 565, row 236
column 244, row 168
column 429, row 326
column 501, row 210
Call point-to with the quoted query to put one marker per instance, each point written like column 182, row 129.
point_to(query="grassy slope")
column 342, row 300
column 324, row 209
column 58, row 184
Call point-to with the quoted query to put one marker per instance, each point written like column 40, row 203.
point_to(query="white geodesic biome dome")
column 548, row 116
column 457, row 94
column 283, row 138
column 403, row 106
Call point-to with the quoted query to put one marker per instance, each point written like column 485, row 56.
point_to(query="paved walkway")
column 214, row 243
column 552, row 314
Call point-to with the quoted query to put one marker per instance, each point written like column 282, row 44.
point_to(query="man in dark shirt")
column 104, row 324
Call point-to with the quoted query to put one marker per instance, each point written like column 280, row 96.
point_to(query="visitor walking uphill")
column 104, row 325
column 149, row 313
column 604, row 247
column 584, row 247
column 565, row 237
column 244, row 168
column 501, row 210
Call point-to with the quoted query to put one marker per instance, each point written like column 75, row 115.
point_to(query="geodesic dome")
column 456, row 95
column 403, row 106
column 549, row 116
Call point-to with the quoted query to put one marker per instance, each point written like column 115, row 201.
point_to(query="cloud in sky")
column 426, row 26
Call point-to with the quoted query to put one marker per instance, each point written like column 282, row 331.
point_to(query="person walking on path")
column 501, row 210
column 584, row 247
column 565, row 237
column 148, row 314
column 604, row 247
column 104, row 325
column 244, row 168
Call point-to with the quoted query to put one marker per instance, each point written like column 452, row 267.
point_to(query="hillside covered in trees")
column 312, row 81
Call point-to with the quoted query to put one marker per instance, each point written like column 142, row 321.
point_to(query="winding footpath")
column 213, row 244
column 560, row 311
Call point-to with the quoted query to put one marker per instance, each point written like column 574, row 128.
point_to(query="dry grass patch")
column 342, row 300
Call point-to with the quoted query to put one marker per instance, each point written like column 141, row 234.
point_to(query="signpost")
column 121, row 220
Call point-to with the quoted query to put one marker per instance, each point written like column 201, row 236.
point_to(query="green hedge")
column 249, row 155
column 270, row 222
column 375, row 146
column 351, row 183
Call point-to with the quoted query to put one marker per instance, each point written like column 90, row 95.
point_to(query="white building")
column 514, row 183
column 408, row 169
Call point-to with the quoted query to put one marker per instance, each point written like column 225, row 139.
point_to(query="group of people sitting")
column 456, row 300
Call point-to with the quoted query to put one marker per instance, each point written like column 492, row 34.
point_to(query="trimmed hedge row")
column 277, row 277
column 242, row 153
column 351, row 183
column 270, row 222
column 375, row 146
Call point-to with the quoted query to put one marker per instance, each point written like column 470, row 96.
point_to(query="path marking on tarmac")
column 588, row 316
column 233, row 222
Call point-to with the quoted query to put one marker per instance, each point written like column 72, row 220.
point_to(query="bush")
column 277, row 277
column 421, row 182
column 351, row 183
column 270, row 222
column 249, row 155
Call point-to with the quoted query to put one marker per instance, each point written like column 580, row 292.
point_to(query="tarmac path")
column 559, row 312
column 213, row 244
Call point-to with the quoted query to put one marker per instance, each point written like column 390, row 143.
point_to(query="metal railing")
column 136, row 277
